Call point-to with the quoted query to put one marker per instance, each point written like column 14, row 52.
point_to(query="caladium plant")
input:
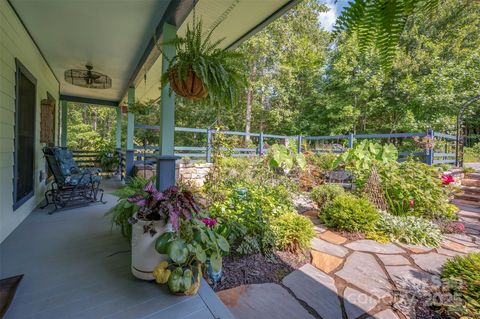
column 170, row 205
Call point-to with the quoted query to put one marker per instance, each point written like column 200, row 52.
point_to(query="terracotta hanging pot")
column 124, row 109
column 191, row 88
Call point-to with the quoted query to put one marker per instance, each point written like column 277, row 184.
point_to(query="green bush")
column 325, row 161
column 292, row 232
column 246, row 212
column 463, row 275
column 409, row 230
column 350, row 213
column 323, row 195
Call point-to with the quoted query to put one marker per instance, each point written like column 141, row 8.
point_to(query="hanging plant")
column 201, row 69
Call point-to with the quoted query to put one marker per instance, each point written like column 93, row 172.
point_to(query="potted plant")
column 190, row 249
column 158, row 212
column 202, row 69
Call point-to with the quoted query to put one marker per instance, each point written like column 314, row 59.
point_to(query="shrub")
column 323, row 195
column 409, row 230
column 324, row 161
column 411, row 188
column 450, row 226
column 463, row 274
column 248, row 211
column 292, row 232
column 350, row 213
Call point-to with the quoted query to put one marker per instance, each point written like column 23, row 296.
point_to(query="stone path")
column 354, row 279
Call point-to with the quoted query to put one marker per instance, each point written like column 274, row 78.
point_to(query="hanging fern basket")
column 191, row 87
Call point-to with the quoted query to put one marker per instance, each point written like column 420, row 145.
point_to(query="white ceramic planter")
column 144, row 256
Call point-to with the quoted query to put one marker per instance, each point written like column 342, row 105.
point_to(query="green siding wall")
column 16, row 43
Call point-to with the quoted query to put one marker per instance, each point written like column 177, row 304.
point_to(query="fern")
column 380, row 23
column 221, row 71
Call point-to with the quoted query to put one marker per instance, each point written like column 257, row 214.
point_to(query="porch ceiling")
column 110, row 35
column 115, row 35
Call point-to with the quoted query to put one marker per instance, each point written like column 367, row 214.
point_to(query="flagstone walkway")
column 353, row 279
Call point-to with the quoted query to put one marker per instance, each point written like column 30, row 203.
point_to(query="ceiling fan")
column 88, row 78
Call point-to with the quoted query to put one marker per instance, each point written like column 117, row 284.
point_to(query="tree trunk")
column 94, row 120
column 248, row 113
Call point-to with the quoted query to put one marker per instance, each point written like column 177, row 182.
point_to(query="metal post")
column 350, row 140
column 63, row 141
column 209, row 145
column 299, row 144
column 430, row 152
column 166, row 160
column 129, row 155
column 260, row 144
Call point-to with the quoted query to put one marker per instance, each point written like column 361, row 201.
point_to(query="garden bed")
column 258, row 269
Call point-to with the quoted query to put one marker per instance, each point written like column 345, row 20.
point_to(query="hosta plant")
column 409, row 230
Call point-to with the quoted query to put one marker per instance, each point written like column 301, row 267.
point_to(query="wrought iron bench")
column 71, row 184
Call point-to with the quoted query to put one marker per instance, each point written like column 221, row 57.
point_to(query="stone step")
column 471, row 182
column 466, row 204
column 473, row 176
column 469, row 197
column 470, row 189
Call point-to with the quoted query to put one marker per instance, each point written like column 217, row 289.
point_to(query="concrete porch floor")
column 76, row 266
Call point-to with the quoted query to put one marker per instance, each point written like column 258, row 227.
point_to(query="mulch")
column 258, row 269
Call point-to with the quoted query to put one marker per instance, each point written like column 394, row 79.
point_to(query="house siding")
column 15, row 43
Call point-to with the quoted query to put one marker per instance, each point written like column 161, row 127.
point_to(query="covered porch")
column 73, row 263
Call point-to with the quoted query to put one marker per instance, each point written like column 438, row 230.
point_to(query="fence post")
column 350, row 140
column 260, row 144
column 299, row 144
column 209, row 145
column 430, row 152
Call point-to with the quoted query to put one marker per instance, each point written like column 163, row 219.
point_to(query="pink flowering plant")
column 447, row 179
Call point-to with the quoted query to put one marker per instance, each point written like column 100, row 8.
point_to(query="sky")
column 327, row 19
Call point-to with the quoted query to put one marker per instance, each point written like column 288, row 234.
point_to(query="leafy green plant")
column 248, row 211
column 350, row 213
column 284, row 158
column 108, row 160
column 124, row 210
column 414, row 188
column 191, row 246
column 409, row 230
column 463, row 274
column 364, row 154
column 199, row 58
column 324, row 195
column 292, row 232
column 324, row 161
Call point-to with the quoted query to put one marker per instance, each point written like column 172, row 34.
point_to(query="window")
column 24, row 152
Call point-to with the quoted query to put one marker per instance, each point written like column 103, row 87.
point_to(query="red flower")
column 447, row 179
column 411, row 202
column 210, row 222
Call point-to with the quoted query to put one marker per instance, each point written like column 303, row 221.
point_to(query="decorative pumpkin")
column 191, row 87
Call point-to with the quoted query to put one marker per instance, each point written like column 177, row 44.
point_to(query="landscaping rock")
column 319, row 228
column 315, row 288
column 363, row 271
column 447, row 252
column 357, row 303
column 385, row 314
column 262, row 301
column 448, row 244
column 408, row 277
column 332, row 237
column 416, row 249
column 431, row 262
column 465, row 241
column 393, row 260
column 326, row 247
column 374, row 247
column 325, row 262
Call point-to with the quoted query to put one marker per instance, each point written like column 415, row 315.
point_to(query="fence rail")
column 204, row 153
